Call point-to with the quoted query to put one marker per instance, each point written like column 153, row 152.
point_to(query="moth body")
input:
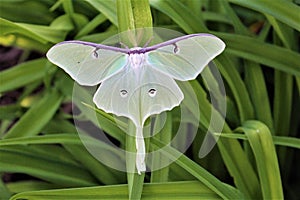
column 137, row 59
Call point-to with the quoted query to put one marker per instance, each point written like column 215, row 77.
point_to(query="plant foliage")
column 42, row 157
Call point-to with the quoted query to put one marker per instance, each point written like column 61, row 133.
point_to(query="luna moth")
column 137, row 82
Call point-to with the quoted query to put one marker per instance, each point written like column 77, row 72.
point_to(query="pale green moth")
column 137, row 82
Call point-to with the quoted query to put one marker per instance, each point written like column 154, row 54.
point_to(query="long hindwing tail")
column 140, row 150
column 137, row 94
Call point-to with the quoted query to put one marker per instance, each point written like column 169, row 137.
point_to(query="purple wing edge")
column 141, row 50
column 97, row 46
column 173, row 41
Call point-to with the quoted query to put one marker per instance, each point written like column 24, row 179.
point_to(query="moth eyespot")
column 123, row 93
column 152, row 92
column 176, row 49
column 95, row 54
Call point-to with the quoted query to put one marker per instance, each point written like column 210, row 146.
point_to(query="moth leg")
column 148, row 42
column 121, row 43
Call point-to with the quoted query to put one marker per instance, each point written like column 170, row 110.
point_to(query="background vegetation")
column 257, row 156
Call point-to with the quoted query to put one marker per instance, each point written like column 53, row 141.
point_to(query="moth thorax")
column 136, row 59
